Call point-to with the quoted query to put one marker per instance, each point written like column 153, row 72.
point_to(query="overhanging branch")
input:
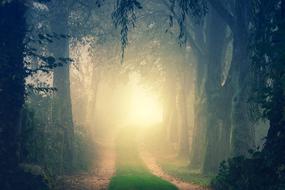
column 223, row 12
column 190, row 38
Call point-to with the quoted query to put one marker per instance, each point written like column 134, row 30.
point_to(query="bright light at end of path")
column 145, row 109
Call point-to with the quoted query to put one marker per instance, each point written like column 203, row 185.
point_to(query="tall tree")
column 216, row 34
column 265, row 168
column 59, row 48
column 12, row 74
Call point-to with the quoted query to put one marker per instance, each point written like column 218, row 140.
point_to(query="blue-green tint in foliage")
column 124, row 16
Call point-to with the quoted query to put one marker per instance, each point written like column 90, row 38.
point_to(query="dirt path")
column 98, row 179
column 155, row 169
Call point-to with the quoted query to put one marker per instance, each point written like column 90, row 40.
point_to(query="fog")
column 140, row 94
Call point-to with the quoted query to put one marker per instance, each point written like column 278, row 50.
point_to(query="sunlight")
column 144, row 107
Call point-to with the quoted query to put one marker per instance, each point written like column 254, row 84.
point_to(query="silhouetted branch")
column 223, row 12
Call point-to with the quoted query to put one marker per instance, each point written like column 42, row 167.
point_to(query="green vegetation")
column 175, row 166
column 131, row 174
column 179, row 169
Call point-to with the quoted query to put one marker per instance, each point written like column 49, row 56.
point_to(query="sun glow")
column 145, row 109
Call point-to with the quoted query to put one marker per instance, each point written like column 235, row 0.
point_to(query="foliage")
column 252, row 173
column 84, row 151
column 39, row 178
column 42, row 142
column 30, row 177
column 195, row 9
column 36, row 61
column 123, row 16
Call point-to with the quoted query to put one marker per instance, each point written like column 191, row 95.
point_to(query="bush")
column 27, row 177
column 84, row 149
column 242, row 173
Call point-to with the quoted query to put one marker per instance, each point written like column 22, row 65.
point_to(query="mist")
column 142, row 95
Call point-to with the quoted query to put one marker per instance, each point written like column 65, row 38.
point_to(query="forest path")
column 100, row 176
column 155, row 169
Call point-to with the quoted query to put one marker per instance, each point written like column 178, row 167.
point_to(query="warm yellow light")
column 144, row 108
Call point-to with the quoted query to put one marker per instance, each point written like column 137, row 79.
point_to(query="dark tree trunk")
column 216, row 32
column 12, row 88
column 242, row 131
column 225, row 119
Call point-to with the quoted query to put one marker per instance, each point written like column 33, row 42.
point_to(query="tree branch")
column 223, row 12
column 190, row 38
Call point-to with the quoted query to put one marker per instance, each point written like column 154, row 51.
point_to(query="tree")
column 12, row 85
column 72, row 14
column 62, row 104
column 264, row 169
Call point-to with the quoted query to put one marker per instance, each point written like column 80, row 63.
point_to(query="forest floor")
column 151, row 163
column 98, row 178
column 125, row 165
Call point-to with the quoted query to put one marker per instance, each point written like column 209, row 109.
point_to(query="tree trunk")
column 170, row 111
column 199, row 130
column 91, row 106
column 242, row 131
column 215, row 36
column 61, row 81
column 183, row 151
column 12, row 88
column 225, row 133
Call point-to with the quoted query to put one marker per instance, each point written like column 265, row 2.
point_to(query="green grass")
column 131, row 174
column 179, row 169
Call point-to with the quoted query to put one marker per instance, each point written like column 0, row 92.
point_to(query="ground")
column 98, row 178
column 151, row 162
column 125, row 165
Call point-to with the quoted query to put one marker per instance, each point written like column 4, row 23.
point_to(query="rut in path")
column 155, row 169
column 98, row 179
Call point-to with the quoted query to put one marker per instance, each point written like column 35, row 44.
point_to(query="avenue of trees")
column 218, row 67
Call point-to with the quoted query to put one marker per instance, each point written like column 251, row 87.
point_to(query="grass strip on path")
column 131, row 173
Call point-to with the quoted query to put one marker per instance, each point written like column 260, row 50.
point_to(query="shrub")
column 254, row 173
